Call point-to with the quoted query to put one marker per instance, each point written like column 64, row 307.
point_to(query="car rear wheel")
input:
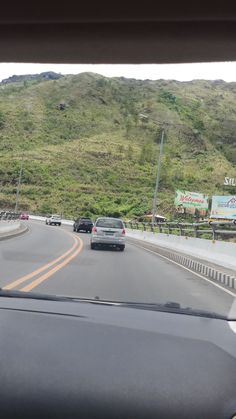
column 122, row 247
column 92, row 246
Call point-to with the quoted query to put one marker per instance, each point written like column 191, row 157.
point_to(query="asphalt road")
column 55, row 260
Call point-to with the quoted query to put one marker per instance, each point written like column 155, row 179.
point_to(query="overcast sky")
column 182, row 72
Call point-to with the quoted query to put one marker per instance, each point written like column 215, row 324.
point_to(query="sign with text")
column 191, row 201
column 230, row 181
column 224, row 207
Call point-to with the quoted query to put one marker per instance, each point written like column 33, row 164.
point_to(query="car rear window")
column 109, row 223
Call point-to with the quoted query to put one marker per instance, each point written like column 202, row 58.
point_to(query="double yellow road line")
column 55, row 265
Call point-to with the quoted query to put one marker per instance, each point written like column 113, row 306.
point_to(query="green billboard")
column 191, row 201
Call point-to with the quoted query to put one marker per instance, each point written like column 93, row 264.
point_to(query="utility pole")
column 18, row 186
column 159, row 123
column 154, row 208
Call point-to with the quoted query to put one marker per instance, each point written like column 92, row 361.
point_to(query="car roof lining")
column 124, row 32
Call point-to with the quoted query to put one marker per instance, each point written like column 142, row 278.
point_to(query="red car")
column 24, row 216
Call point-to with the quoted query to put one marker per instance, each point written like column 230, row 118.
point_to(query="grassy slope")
column 98, row 157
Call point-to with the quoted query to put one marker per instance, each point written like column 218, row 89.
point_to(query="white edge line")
column 232, row 326
column 184, row 267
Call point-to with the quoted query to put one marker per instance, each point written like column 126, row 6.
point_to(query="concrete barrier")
column 214, row 273
column 217, row 252
column 9, row 226
column 39, row 218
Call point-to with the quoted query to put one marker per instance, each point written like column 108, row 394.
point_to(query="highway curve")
column 55, row 260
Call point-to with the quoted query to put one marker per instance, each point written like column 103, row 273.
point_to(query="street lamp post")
column 154, row 208
column 18, row 186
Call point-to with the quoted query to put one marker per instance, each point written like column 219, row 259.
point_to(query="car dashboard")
column 63, row 359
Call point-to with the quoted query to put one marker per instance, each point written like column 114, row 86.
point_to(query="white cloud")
column 182, row 72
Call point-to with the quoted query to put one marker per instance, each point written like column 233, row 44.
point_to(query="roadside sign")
column 224, row 207
column 191, row 201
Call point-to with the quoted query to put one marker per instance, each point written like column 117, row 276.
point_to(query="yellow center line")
column 56, row 268
column 24, row 278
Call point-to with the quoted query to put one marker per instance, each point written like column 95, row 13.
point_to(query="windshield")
column 118, row 183
column 109, row 223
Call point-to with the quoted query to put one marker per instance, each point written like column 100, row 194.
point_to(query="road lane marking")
column 187, row 269
column 56, row 268
column 24, row 278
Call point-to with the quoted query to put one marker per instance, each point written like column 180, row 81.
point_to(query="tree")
column 130, row 152
column 2, row 121
column 128, row 126
column 121, row 148
column 158, row 133
column 146, row 154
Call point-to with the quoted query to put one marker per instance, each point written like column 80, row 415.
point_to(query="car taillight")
column 123, row 232
column 94, row 230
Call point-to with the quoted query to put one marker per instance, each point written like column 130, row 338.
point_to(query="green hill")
column 86, row 150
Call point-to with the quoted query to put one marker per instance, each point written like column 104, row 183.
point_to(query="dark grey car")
column 83, row 224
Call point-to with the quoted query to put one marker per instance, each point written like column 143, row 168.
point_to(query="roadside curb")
column 20, row 231
column 209, row 272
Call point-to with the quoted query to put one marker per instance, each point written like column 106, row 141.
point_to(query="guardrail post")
column 213, row 232
column 180, row 229
column 196, row 231
column 9, row 215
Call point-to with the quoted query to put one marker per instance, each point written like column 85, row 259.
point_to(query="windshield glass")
column 148, row 150
column 109, row 223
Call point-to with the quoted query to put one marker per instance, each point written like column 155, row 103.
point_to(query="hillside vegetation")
column 86, row 151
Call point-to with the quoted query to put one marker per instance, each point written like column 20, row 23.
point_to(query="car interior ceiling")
column 127, row 32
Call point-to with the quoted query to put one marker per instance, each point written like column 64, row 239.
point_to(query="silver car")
column 108, row 231
column 54, row 220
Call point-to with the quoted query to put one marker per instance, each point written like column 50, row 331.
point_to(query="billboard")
column 189, row 202
column 224, row 207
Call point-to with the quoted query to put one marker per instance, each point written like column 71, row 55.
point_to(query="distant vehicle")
column 83, row 224
column 24, row 216
column 54, row 220
column 108, row 231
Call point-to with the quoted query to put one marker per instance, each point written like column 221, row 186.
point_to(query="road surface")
column 55, row 260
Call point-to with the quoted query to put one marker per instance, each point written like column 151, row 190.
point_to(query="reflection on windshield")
column 109, row 223
column 153, row 158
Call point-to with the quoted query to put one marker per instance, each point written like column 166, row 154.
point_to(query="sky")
column 182, row 72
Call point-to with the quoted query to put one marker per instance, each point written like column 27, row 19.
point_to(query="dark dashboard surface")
column 64, row 359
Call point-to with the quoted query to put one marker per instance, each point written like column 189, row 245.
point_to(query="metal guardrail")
column 9, row 216
column 212, row 229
